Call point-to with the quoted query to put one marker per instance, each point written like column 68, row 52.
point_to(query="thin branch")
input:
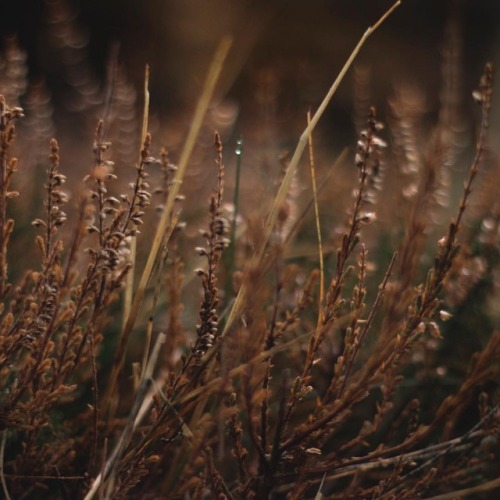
column 166, row 224
column 452, row 445
column 126, row 435
column 289, row 174
column 458, row 445
column 465, row 493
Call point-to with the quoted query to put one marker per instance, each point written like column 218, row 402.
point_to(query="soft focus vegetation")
column 237, row 323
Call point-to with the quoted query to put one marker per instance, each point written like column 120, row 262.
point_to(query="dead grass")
column 256, row 363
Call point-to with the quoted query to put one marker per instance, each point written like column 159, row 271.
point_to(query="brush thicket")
column 260, row 358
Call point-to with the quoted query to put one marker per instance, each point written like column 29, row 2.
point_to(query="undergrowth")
column 242, row 366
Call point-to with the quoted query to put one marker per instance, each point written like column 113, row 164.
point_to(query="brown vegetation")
column 362, row 366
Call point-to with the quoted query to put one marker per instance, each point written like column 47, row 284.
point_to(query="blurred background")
column 287, row 52
column 71, row 62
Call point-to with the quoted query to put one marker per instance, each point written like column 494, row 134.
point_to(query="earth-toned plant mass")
column 339, row 339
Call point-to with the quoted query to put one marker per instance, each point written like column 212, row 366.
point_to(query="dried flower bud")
column 39, row 223
column 201, row 251
column 477, row 96
column 434, row 330
column 200, row 272
column 421, row 327
column 379, row 143
column 358, row 160
column 445, row 315
column 367, row 217
column 313, row 451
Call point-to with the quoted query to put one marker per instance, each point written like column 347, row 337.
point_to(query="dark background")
column 284, row 57
column 178, row 37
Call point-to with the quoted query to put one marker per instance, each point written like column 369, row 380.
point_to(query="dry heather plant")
column 302, row 378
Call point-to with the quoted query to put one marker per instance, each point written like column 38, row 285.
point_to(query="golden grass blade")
column 2, row 475
column 156, row 295
column 300, row 219
column 166, row 223
column 319, row 494
column 129, row 286
column 318, row 226
column 285, row 185
column 110, row 467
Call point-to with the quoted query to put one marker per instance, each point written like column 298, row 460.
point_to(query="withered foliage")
column 368, row 394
